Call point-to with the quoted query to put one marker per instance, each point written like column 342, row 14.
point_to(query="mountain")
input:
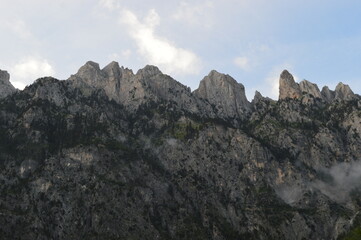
column 6, row 88
column 109, row 154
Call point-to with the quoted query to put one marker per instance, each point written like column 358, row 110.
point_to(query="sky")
column 251, row 40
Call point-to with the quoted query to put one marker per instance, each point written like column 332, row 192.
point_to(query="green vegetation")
column 183, row 131
column 354, row 234
column 355, row 231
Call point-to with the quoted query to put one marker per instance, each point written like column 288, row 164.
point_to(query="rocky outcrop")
column 310, row 93
column 90, row 77
column 310, row 88
column 327, row 94
column 6, row 88
column 218, row 94
column 91, row 74
column 149, row 71
column 225, row 94
column 288, row 87
column 344, row 92
column 257, row 97
column 134, row 90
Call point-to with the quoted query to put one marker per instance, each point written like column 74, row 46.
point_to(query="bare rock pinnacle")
column 288, row 87
column 6, row 88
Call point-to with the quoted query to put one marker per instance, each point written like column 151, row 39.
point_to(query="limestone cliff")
column 225, row 94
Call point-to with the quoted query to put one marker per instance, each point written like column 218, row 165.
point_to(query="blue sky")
column 253, row 41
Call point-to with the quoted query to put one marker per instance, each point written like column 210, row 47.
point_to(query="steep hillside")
column 109, row 154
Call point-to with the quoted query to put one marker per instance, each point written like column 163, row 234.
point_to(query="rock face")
column 327, row 94
column 109, row 154
column 148, row 85
column 225, row 94
column 90, row 77
column 344, row 92
column 310, row 88
column 6, row 88
column 257, row 97
column 288, row 87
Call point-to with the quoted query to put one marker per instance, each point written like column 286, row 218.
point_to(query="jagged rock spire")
column 222, row 93
column 6, row 88
column 257, row 96
column 309, row 91
column 288, row 87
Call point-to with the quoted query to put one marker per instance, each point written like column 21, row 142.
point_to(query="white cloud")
column 195, row 14
column 29, row 69
column 242, row 62
column 157, row 50
column 18, row 85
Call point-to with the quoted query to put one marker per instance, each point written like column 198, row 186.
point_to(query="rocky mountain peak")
column 285, row 74
column 310, row 88
column 343, row 92
column 113, row 70
column 217, row 76
column 4, row 76
column 327, row 94
column 225, row 94
column 92, row 64
column 149, row 71
column 288, row 87
column 90, row 73
column 222, row 79
column 257, row 96
column 6, row 88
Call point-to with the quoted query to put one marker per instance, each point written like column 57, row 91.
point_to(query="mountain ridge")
column 109, row 154
column 218, row 94
column 91, row 70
